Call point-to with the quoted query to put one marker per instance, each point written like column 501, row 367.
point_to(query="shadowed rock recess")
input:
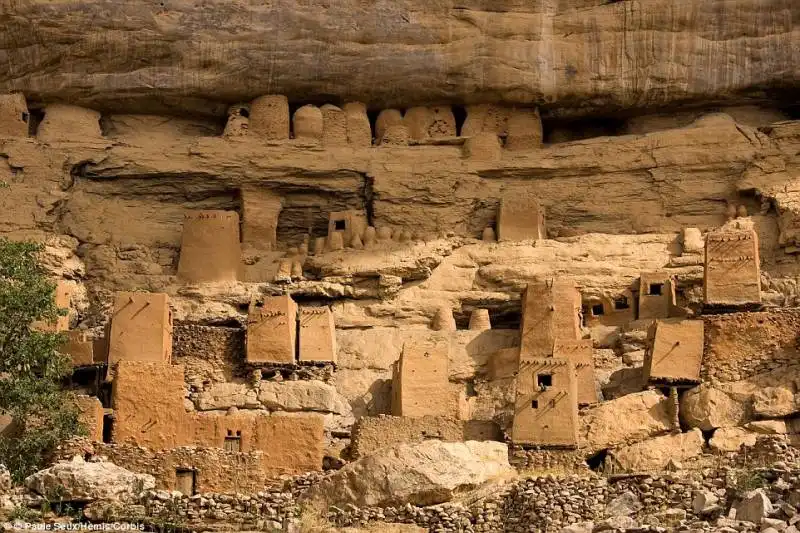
column 402, row 266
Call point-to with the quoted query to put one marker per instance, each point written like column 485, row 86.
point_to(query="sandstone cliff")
column 572, row 56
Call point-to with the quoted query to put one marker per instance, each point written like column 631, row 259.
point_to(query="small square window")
column 339, row 225
column 597, row 310
column 233, row 444
column 656, row 289
column 621, row 303
column 544, row 380
column 534, row 404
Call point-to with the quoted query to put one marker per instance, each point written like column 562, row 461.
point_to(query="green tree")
column 32, row 369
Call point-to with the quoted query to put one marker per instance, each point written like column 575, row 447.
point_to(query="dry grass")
column 312, row 521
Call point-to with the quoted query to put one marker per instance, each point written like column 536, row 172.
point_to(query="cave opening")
column 35, row 117
column 596, row 461
column 557, row 130
column 460, row 114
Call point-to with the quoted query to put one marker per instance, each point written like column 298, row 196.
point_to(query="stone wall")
column 373, row 433
column 544, row 460
column 210, row 354
column 537, row 502
column 741, row 345
column 216, row 470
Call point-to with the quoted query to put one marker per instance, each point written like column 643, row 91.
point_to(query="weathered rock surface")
column 646, row 415
column 732, row 439
column 695, row 163
column 300, row 395
column 625, row 504
column 585, row 53
column 82, row 481
column 425, row 473
column 654, row 454
column 753, row 507
column 707, row 408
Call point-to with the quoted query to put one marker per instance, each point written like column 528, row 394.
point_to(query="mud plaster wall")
column 317, row 334
column 549, row 416
column 420, row 384
column 272, row 330
column 732, row 268
column 141, row 328
column 373, row 433
column 209, row 353
column 740, row 345
column 215, row 469
column 676, row 350
column 366, row 358
column 210, row 247
column 147, row 399
column 261, row 209
column 549, row 311
column 288, row 443
column 655, row 305
column 269, row 117
column 581, row 355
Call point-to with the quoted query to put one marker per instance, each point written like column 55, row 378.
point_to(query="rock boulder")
column 707, row 408
column 774, row 402
column 425, row 473
column 302, row 395
column 732, row 439
column 654, row 454
column 624, row 420
column 754, row 506
column 81, row 481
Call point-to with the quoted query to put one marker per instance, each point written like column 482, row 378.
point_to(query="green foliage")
column 23, row 513
column 748, row 479
column 31, row 367
column 53, row 502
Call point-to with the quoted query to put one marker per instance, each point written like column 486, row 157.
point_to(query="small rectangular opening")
column 185, row 481
column 104, row 393
column 656, row 289
column 597, row 310
column 233, row 443
column 534, row 404
column 621, row 303
column 544, row 380
column 108, row 427
column 339, row 225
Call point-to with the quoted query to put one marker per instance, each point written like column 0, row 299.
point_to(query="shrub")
column 31, row 367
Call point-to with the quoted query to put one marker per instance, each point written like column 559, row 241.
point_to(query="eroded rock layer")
column 574, row 56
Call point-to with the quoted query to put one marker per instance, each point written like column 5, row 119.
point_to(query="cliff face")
column 609, row 137
column 571, row 56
